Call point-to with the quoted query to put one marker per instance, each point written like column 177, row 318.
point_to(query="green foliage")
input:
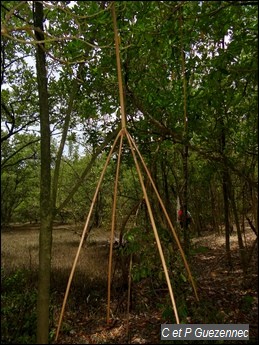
column 218, row 44
column 18, row 309
column 152, row 35
column 20, row 179
column 200, row 249
column 141, row 245
column 247, row 302
column 168, row 313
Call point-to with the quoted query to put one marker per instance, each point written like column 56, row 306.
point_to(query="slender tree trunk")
column 87, row 170
column 255, row 207
column 45, row 240
column 225, row 181
column 239, row 232
column 225, row 173
column 186, row 233
column 164, row 173
column 226, row 216
column 214, row 210
column 198, row 224
column 73, row 93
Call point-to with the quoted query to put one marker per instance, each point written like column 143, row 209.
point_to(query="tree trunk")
column 164, row 172
column 254, row 197
column 225, row 180
column 186, row 234
column 73, row 93
column 87, row 170
column 239, row 233
column 214, row 210
column 225, row 173
column 45, row 240
column 226, row 215
column 198, row 221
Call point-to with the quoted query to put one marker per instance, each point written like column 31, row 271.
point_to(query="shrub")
column 18, row 309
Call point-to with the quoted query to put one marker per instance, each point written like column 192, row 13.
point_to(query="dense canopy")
column 190, row 83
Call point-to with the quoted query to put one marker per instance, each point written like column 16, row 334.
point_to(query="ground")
column 225, row 295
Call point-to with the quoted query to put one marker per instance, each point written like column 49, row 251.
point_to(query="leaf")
column 183, row 277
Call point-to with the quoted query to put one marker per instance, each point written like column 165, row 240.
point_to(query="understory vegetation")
column 225, row 295
column 138, row 119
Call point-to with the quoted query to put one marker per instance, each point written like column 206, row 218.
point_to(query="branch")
column 251, row 225
column 19, row 161
column 12, row 132
column 73, row 94
column 15, row 14
column 244, row 3
column 3, row 164
column 99, row 149
column 177, row 138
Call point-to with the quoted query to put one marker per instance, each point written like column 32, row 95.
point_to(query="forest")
column 114, row 116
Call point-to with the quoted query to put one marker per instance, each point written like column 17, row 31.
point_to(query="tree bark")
column 186, row 234
column 74, row 90
column 226, row 215
column 45, row 239
column 214, row 209
column 225, row 180
column 239, row 233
